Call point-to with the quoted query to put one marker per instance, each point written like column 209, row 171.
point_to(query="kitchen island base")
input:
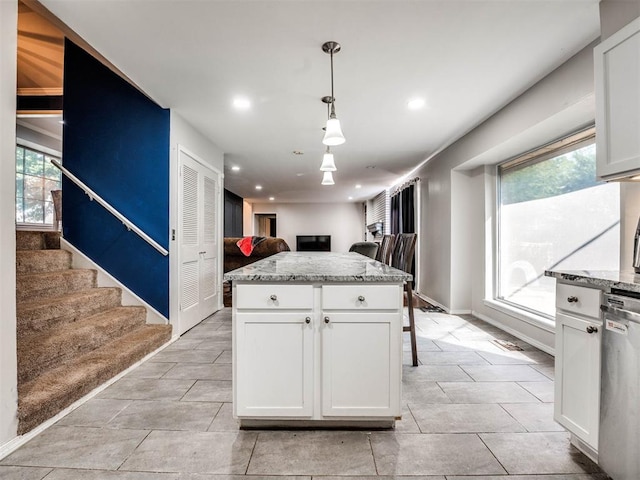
column 321, row 349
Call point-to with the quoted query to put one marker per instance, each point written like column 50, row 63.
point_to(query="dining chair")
column 402, row 259
column 386, row 247
column 368, row 249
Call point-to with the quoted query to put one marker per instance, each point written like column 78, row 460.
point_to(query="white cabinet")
column 274, row 364
column 577, row 365
column 617, row 89
column 317, row 352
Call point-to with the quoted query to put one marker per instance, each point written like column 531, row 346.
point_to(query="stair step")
column 56, row 389
column 32, row 240
column 56, row 346
column 43, row 314
column 35, row 286
column 34, row 261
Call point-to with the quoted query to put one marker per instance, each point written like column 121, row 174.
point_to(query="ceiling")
column 467, row 59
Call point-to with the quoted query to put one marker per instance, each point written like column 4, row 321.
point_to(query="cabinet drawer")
column 361, row 297
column 581, row 300
column 274, row 297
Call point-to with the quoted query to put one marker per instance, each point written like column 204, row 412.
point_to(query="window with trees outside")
column 553, row 215
column 35, row 178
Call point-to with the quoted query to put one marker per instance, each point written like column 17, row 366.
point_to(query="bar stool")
column 386, row 247
column 402, row 259
column 368, row 249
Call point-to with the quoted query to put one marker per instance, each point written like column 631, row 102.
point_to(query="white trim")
column 433, row 302
column 538, row 321
column 514, row 332
column 39, row 130
column 105, row 279
column 15, row 443
column 584, row 448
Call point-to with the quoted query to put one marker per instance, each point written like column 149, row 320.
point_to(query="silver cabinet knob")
column 572, row 299
column 361, row 298
column 307, row 320
column 326, row 319
column 591, row 329
column 273, row 298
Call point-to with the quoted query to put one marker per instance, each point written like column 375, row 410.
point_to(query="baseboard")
column 105, row 279
column 584, row 448
column 17, row 442
column 515, row 333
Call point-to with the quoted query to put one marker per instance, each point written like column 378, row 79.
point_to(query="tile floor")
column 472, row 411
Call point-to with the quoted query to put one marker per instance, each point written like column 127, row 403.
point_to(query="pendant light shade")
column 327, row 179
column 333, row 135
column 328, row 165
column 333, row 132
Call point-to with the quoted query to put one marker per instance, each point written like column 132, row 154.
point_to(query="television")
column 313, row 243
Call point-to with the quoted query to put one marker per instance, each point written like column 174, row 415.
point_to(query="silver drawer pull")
column 273, row 298
column 326, row 319
column 361, row 298
column 307, row 320
column 591, row 329
column 572, row 299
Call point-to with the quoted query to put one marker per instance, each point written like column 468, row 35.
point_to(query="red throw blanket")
column 247, row 244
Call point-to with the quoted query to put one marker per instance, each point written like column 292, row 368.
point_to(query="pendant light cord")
column 333, row 99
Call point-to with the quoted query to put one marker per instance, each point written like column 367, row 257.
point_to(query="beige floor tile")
column 23, row 473
column 503, row 373
column 544, row 391
column 464, row 418
column 78, row 447
column 433, row 454
column 165, row 415
column 423, row 393
column 434, row 373
column 486, row 392
column 525, row 357
column 452, row 358
column 312, row 453
column 193, row 452
column 535, row 417
column 147, row 389
column 537, row 453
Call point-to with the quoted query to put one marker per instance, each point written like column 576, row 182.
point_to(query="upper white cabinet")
column 617, row 88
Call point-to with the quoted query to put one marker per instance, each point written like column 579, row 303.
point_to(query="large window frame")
column 46, row 199
column 549, row 151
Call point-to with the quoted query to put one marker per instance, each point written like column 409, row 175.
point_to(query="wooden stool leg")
column 412, row 324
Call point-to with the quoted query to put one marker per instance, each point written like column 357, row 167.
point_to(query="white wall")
column 453, row 240
column 183, row 134
column 8, row 366
column 343, row 221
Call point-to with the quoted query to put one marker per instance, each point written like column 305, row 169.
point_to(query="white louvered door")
column 199, row 223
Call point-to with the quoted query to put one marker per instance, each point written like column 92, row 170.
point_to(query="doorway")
column 266, row 225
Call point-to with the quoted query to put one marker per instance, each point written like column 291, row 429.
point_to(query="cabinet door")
column 361, row 364
column 617, row 76
column 577, row 382
column 274, row 364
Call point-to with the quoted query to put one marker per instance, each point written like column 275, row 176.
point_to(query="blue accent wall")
column 116, row 140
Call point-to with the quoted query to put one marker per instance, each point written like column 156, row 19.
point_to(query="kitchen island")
column 317, row 341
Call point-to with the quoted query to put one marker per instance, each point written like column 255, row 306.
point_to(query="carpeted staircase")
column 72, row 336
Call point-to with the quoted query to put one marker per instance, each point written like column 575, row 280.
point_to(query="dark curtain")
column 403, row 218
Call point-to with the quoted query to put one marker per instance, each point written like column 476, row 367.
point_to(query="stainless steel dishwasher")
column 619, row 439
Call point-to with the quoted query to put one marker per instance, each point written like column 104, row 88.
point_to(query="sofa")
column 234, row 258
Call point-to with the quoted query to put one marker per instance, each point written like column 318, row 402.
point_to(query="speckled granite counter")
column 317, row 267
column 604, row 279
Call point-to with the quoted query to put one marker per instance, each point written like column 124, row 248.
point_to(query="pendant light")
column 327, row 179
column 328, row 165
column 333, row 135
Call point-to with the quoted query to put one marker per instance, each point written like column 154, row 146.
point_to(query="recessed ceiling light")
column 272, row 198
column 258, row 187
column 299, row 174
column 415, row 103
column 242, row 103
column 350, row 198
column 358, row 186
column 235, row 168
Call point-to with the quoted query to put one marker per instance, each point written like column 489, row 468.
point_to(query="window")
column 35, row 178
column 553, row 215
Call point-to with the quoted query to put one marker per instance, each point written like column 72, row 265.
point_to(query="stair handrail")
column 125, row 221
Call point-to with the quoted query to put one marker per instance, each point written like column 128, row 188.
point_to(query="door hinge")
column 173, row 234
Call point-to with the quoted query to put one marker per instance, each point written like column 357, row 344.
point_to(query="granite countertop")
column 317, row 267
column 604, row 279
